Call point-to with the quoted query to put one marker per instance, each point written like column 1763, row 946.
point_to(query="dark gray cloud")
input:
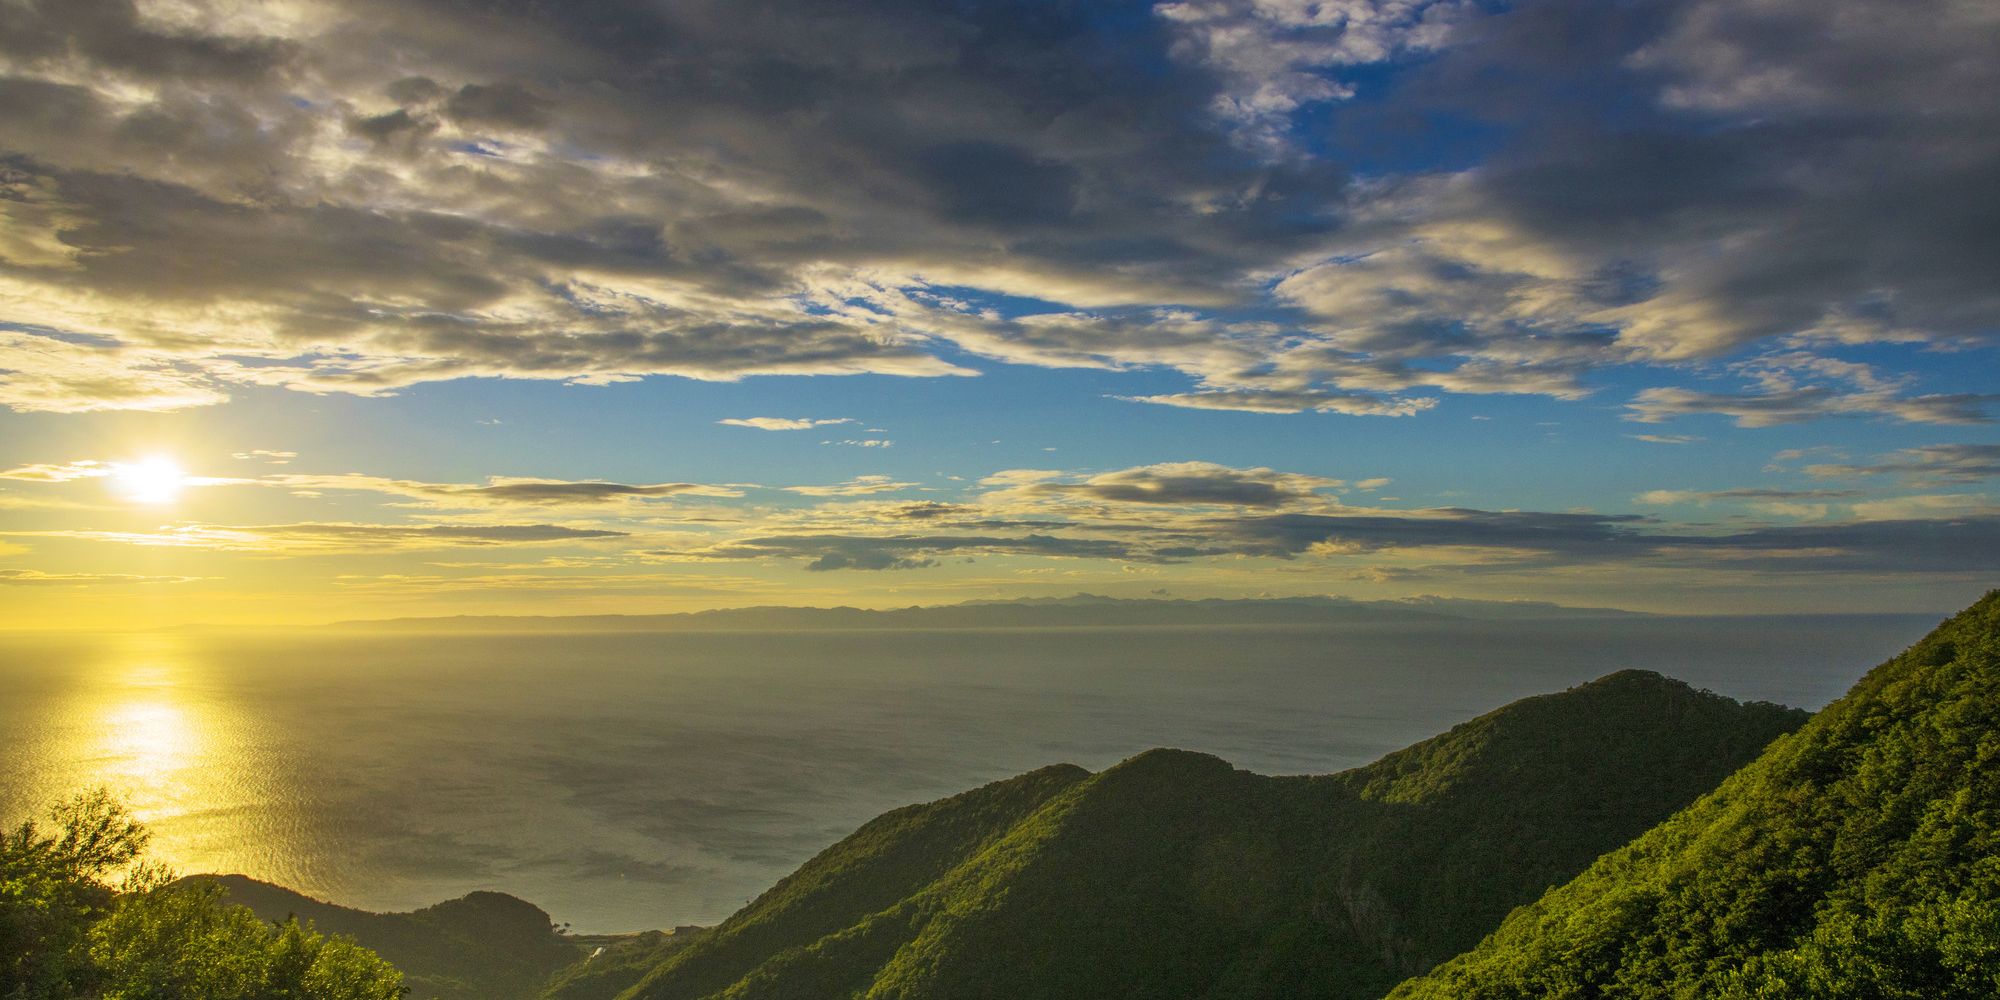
column 502, row 105
column 1187, row 483
column 926, row 510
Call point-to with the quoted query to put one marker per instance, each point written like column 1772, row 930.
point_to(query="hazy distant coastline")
column 1079, row 611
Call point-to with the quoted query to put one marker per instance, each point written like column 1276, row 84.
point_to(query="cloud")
column 211, row 202
column 783, row 423
column 59, row 473
column 1666, row 497
column 1180, row 483
column 925, row 510
column 1936, row 505
column 37, row 578
column 1794, row 386
column 858, row 486
column 1299, row 401
column 267, row 456
column 498, row 491
column 879, row 552
column 1273, row 58
column 863, row 443
column 328, row 536
column 45, row 373
column 1666, row 438
column 1964, row 463
column 1769, row 409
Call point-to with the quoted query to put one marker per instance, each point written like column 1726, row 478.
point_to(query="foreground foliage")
column 1858, row 858
column 67, row 932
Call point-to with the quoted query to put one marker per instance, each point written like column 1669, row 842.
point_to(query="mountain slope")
column 483, row 946
column 1175, row 875
column 1858, row 857
column 889, row 858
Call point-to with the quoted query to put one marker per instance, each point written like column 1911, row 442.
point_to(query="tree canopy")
column 69, row 932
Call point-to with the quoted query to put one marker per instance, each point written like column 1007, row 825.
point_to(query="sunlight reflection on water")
column 140, row 721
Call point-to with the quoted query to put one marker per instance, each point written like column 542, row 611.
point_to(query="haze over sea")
column 634, row 780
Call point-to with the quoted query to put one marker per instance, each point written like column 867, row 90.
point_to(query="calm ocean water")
column 639, row 780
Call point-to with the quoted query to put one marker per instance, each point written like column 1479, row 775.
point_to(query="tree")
column 53, row 888
column 66, row 933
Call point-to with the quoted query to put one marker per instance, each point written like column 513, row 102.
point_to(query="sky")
column 326, row 309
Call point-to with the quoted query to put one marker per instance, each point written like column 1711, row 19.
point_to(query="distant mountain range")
column 1081, row 610
column 1630, row 837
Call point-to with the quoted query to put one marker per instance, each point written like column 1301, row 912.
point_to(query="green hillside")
column 1857, row 858
column 483, row 946
column 1175, row 875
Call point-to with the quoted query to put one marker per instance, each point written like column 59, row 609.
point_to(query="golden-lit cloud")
column 500, row 491
column 783, row 423
column 858, row 486
column 336, row 537
column 38, row 578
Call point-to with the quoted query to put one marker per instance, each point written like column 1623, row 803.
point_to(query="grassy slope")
column 1859, row 857
column 1174, row 875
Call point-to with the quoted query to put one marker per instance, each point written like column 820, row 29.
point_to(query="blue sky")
column 342, row 308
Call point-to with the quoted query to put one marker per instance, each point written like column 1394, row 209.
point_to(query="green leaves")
column 65, row 932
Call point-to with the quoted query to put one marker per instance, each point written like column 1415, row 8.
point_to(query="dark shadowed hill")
column 1857, row 858
column 483, row 946
column 1175, row 875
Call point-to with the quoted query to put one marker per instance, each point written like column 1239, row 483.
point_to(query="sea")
column 625, row 781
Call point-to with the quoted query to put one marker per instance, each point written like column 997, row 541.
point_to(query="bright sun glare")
column 154, row 479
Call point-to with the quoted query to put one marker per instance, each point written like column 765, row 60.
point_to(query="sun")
column 154, row 479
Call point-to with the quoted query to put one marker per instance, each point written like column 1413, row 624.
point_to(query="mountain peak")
column 1851, row 859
